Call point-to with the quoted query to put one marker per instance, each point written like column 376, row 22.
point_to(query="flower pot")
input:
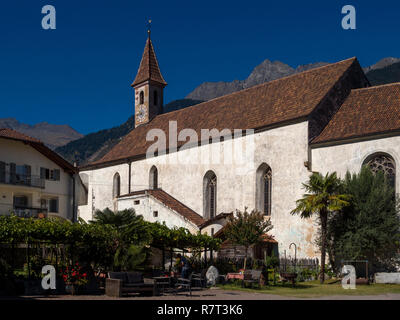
column 71, row 289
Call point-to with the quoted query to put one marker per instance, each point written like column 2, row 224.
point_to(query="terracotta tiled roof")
column 177, row 206
column 271, row 103
column 268, row 238
column 365, row 112
column 220, row 216
column 39, row 146
column 172, row 203
column 149, row 69
column 15, row 135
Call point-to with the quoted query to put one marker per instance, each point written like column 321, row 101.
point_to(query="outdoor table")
column 232, row 275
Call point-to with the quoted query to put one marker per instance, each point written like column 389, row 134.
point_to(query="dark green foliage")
column 118, row 219
column 323, row 197
column 369, row 228
column 128, row 258
column 84, row 148
column 271, row 262
column 385, row 75
column 118, row 240
column 5, row 268
column 245, row 229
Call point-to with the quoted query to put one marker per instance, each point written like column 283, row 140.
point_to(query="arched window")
column 141, row 95
column 210, row 195
column 155, row 96
column 264, row 189
column 385, row 163
column 153, row 178
column 116, row 185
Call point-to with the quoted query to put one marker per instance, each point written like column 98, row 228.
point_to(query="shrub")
column 369, row 228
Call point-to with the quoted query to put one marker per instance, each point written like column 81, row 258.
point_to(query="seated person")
column 185, row 266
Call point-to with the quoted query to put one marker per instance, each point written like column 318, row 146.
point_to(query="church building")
column 322, row 120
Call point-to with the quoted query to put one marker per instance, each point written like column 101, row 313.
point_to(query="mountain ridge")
column 267, row 71
column 264, row 72
column 52, row 135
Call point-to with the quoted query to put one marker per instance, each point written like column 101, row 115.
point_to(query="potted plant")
column 74, row 278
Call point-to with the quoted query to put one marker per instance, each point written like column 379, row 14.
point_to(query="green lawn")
column 312, row 289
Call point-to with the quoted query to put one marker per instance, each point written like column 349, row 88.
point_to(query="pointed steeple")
column 149, row 69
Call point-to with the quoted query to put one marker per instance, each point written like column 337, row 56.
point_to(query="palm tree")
column 131, row 227
column 118, row 219
column 322, row 197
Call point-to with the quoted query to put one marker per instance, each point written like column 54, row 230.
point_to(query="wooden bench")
column 251, row 276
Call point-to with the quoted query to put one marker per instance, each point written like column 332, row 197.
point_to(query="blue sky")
column 80, row 73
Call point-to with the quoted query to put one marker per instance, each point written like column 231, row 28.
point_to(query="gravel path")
column 209, row 294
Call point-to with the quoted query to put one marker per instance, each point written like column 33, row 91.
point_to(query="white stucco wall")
column 351, row 156
column 284, row 149
column 17, row 152
column 100, row 189
column 146, row 207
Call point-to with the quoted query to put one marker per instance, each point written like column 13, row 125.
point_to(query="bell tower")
column 149, row 85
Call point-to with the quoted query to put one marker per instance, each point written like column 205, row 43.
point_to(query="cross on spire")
column 149, row 27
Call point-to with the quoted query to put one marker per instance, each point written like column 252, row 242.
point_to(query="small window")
column 136, row 202
column 264, row 189
column 210, row 195
column 116, row 185
column 20, row 201
column 43, row 203
column 53, row 205
column 153, row 178
column 56, row 174
column 48, row 174
column 155, row 214
column 155, row 97
column 141, row 95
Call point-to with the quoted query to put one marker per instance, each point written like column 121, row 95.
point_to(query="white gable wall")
column 351, row 156
column 12, row 151
column 146, row 207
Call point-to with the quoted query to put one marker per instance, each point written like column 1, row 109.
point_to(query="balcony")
column 29, row 212
column 22, row 180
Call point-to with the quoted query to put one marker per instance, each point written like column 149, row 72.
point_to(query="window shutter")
column 42, row 173
column 56, row 174
column 13, row 173
column 2, row 171
column 28, row 171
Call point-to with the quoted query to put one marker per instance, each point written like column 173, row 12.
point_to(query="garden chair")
column 183, row 283
column 199, row 279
